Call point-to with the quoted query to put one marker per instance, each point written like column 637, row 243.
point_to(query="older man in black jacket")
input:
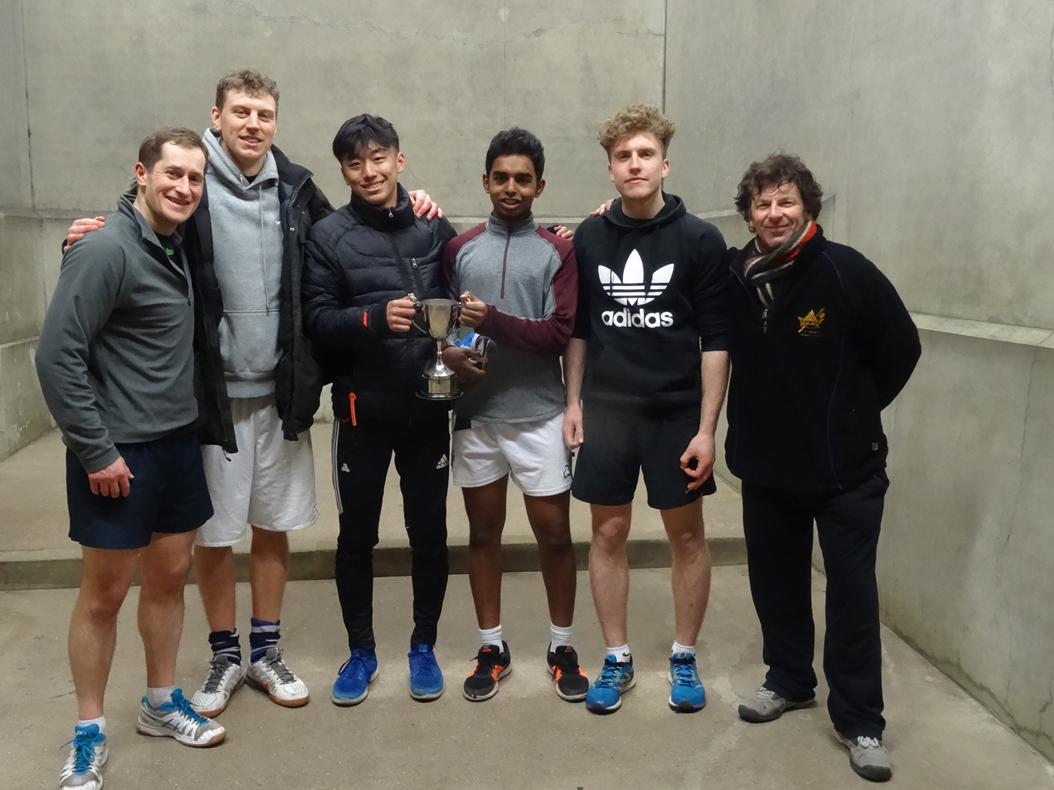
column 820, row 343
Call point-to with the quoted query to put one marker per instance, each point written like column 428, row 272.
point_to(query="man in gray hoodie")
column 116, row 369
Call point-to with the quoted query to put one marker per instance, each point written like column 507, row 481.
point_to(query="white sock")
column 491, row 636
column 679, row 648
column 559, row 636
column 158, row 696
column 101, row 721
column 620, row 653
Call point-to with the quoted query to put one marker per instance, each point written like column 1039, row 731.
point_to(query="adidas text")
column 640, row 318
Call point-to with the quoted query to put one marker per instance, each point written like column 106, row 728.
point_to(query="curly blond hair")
column 636, row 119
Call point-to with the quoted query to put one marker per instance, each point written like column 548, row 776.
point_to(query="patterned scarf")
column 761, row 269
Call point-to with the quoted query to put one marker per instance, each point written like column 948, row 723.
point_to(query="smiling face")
column 777, row 213
column 170, row 191
column 637, row 167
column 512, row 185
column 373, row 174
column 247, row 125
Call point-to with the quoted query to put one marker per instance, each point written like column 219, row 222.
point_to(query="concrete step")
column 36, row 553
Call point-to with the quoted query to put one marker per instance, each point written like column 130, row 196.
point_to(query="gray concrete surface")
column 928, row 124
column 940, row 739
column 36, row 552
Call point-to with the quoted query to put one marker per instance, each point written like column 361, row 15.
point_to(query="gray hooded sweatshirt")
column 247, row 253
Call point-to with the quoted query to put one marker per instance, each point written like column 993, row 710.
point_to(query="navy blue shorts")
column 619, row 447
column 168, row 495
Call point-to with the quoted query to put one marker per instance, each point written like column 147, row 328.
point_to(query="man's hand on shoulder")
column 80, row 228
column 400, row 314
column 697, row 461
column 423, row 207
column 113, row 481
column 473, row 310
column 602, row 208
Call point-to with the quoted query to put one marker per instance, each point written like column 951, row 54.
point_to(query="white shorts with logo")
column 533, row 453
column 269, row 483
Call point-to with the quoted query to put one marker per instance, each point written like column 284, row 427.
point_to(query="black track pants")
column 361, row 456
column 778, row 529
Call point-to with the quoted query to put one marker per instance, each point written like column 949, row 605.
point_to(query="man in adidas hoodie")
column 259, row 384
column 646, row 371
column 820, row 344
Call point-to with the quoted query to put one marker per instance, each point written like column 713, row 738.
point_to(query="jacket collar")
column 385, row 219
column 502, row 228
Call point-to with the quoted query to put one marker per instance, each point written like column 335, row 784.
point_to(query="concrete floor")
column 524, row 738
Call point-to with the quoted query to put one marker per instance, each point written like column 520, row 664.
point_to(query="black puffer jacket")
column 358, row 259
column 811, row 373
column 298, row 378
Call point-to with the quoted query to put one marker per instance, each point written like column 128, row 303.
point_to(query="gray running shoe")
column 868, row 757
column 83, row 768
column 224, row 678
column 176, row 719
column 767, row 705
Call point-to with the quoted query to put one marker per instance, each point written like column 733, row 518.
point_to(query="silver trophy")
column 440, row 317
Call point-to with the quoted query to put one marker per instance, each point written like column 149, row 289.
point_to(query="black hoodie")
column 650, row 299
column 811, row 373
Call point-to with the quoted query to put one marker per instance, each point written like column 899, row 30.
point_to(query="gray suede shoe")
column 767, row 705
column 868, row 757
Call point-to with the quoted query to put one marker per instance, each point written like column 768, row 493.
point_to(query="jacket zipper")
column 764, row 320
column 504, row 261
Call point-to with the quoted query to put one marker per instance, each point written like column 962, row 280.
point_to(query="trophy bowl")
column 439, row 317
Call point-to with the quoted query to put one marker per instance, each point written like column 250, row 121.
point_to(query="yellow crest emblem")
column 809, row 324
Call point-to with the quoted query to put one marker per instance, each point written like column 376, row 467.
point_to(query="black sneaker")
column 571, row 682
column 491, row 666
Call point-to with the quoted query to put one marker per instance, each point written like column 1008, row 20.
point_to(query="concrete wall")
column 930, row 126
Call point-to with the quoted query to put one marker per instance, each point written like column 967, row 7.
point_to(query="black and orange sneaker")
column 491, row 665
column 571, row 682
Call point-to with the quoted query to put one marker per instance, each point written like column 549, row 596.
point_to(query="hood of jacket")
column 673, row 208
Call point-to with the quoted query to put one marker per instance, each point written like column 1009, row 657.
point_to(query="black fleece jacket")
column 358, row 259
column 811, row 373
column 650, row 299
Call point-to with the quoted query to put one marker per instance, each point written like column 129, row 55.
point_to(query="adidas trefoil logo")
column 442, row 463
column 631, row 290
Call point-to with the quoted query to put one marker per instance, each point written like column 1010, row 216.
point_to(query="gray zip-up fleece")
column 247, row 254
column 115, row 358
column 529, row 279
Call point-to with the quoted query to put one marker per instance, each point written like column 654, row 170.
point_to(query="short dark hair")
column 150, row 148
column 779, row 168
column 247, row 81
column 356, row 134
column 517, row 141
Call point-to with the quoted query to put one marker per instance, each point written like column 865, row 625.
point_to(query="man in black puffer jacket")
column 365, row 263
column 820, row 343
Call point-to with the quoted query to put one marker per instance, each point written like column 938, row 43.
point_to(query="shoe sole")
column 427, row 696
column 750, row 715
column 602, row 711
column 561, row 695
column 296, row 702
column 343, row 702
column 211, row 714
column 492, row 692
column 143, row 728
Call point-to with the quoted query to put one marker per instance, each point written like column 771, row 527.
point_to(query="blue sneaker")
column 687, row 694
column 354, row 677
column 616, row 678
column 88, row 753
column 426, row 678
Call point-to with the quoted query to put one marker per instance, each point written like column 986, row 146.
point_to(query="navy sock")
column 265, row 634
column 226, row 643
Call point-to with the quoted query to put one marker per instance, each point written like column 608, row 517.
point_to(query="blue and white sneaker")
column 354, row 677
column 616, row 678
column 88, row 753
column 687, row 694
column 176, row 719
column 426, row 678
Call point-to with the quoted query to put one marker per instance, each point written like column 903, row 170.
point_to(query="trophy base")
column 432, row 396
column 440, row 389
